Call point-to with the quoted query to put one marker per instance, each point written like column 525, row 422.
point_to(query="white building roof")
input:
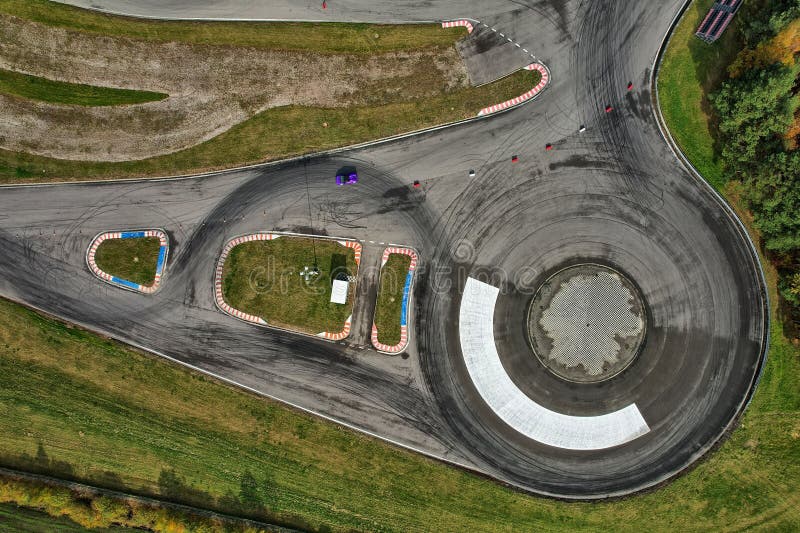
column 339, row 291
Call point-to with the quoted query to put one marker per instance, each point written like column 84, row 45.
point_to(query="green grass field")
column 130, row 259
column 390, row 298
column 254, row 141
column 59, row 92
column 690, row 70
column 262, row 278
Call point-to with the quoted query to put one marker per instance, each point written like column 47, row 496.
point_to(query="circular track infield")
column 586, row 323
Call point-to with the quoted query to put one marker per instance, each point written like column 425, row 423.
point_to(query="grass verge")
column 390, row 298
column 262, row 278
column 254, row 140
column 59, row 92
column 299, row 36
column 130, row 259
column 690, row 70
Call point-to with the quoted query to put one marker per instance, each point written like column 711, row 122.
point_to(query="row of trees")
column 756, row 107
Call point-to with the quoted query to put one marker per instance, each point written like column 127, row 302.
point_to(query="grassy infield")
column 254, row 140
column 109, row 415
column 390, row 298
column 59, row 92
column 130, row 259
column 263, row 278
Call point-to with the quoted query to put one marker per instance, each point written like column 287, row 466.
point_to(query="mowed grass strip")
column 59, row 92
column 317, row 37
column 690, row 70
column 130, row 259
column 301, row 130
column 390, row 298
column 263, row 278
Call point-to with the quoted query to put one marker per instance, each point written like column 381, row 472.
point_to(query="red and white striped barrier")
column 453, row 23
column 338, row 336
column 105, row 276
column 400, row 346
column 403, row 251
column 523, row 97
column 218, row 297
column 397, row 348
column 356, row 246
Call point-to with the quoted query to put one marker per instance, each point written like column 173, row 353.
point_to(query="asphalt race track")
column 614, row 195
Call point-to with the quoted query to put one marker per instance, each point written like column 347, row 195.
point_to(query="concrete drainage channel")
column 134, row 234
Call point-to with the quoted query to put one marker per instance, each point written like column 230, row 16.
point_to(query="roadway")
column 614, row 194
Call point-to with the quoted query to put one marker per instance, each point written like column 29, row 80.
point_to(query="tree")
column 754, row 110
column 773, row 192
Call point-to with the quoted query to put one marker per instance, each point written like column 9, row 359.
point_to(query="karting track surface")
column 614, row 195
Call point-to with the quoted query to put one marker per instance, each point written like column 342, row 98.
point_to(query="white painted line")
column 516, row 44
column 514, row 407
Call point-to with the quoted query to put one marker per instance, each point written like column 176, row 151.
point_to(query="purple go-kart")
column 347, row 179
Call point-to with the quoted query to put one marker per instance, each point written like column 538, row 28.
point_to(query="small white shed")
column 339, row 291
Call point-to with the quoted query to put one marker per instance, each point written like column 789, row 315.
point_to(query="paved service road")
column 614, row 195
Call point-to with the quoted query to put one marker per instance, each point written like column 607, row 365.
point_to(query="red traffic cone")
column 514, row 159
column 324, row 4
column 630, row 85
column 609, row 109
column 548, row 147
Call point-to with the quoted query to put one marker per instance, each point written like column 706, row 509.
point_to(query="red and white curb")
column 338, row 336
column 523, row 97
column 91, row 252
column 218, row 297
column 356, row 246
column 400, row 346
column 453, row 23
column 268, row 236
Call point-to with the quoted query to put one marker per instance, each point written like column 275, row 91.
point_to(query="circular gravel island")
column 586, row 323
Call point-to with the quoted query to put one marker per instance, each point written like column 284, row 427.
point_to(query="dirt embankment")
column 211, row 88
